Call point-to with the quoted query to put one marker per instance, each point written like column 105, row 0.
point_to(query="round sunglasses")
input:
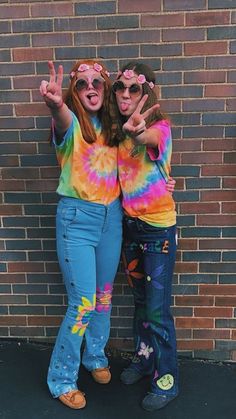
column 120, row 87
column 82, row 84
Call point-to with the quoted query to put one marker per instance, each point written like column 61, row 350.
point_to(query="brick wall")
column 191, row 45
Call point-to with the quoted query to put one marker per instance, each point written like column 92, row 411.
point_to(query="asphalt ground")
column 207, row 389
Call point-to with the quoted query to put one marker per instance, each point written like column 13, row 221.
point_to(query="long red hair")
column 73, row 102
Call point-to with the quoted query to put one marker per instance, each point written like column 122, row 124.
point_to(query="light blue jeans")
column 88, row 245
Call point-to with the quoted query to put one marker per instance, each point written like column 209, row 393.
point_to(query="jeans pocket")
column 68, row 215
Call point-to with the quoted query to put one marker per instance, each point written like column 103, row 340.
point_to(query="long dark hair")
column 117, row 119
column 73, row 102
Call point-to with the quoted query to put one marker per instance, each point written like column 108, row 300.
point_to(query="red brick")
column 223, row 90
column 216, row 220
column 139, row 6
column 49, row 172
column 10, row 209
column 200, row 208
column 229, row 183
column 195, row 323
column 25, row 267
column 170, row 105
column 204, row 18
column 183, row 333
column 217, row 244
column 6, row 278
column 163, row 20
column 195, row 344
column 218, row 195
column 217, row 289
column 225, row 301
column 28, row 109
column 54, row 10
column 205, row 76
column 214, row 312
column 14, row 12
column 225, row 144
column 12, row 185
column 230, row 104
column 187, row 145
column 221, row 170
column 211, row 334
column 187, row 244
column 44, row 320
column 41, row 185
column 181, row 267
column 207, row 158
column 13, row 320
column 32, row 54
column 229, row 207
column 234, row 334
column 194, row 300
column 205, row 48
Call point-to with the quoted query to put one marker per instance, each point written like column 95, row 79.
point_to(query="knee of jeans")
column 103, row 298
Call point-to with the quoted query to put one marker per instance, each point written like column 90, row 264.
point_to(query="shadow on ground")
column 208, row 389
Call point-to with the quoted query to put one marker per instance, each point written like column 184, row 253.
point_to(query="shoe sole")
column 71, row 405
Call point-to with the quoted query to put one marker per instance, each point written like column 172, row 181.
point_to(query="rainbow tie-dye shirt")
column 143, row 173
column 88, row 171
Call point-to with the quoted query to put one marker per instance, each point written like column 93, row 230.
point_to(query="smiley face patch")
column 166, row 382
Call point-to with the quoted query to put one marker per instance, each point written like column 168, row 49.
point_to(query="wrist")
column 56, row 106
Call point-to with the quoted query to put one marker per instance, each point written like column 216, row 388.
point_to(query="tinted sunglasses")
column 120, row 87
column 82, row 84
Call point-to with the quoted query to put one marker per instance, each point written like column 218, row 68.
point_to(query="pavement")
column 208, row 389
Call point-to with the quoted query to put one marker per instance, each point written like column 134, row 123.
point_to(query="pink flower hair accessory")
column 128, row 74
column 83, row 67
column 141, row 79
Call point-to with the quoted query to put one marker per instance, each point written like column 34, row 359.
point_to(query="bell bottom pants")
column 149, row 258
column 88, row 246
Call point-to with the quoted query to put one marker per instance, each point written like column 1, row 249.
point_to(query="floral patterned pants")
column 149, row 258
column 88, row 246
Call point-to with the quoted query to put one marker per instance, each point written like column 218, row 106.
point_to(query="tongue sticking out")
column 124, row 106
column 94, row 100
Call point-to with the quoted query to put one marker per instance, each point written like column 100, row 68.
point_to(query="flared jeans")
column 149, row 258
column 88, row 246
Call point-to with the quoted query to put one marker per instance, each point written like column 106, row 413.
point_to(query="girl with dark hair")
column 88, row 223
column 149, row 241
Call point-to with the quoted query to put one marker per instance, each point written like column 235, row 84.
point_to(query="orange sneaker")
column 74, row 399
column 101, row 375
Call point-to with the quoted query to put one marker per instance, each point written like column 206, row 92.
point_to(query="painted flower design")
column 103, row 298
column 128, row 74
column 84, row 314
column 145, row 350
column 130, row 270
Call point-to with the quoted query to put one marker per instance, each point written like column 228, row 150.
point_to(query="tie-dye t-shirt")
column 88, row 171
column 143, row 173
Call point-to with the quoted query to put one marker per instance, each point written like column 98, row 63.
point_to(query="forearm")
column 149, row 137
column 62, row 118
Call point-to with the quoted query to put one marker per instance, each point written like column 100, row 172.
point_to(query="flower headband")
column 83, row 67
column 141, row 79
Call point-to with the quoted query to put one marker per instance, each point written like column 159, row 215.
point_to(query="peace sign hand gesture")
column 52, row 90
column 136, row 124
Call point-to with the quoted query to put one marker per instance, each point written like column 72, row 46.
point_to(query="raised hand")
column 136, row 123
column 52, row 90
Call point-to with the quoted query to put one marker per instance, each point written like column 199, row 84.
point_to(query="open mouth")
column 93, row 98
column 124, row 106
